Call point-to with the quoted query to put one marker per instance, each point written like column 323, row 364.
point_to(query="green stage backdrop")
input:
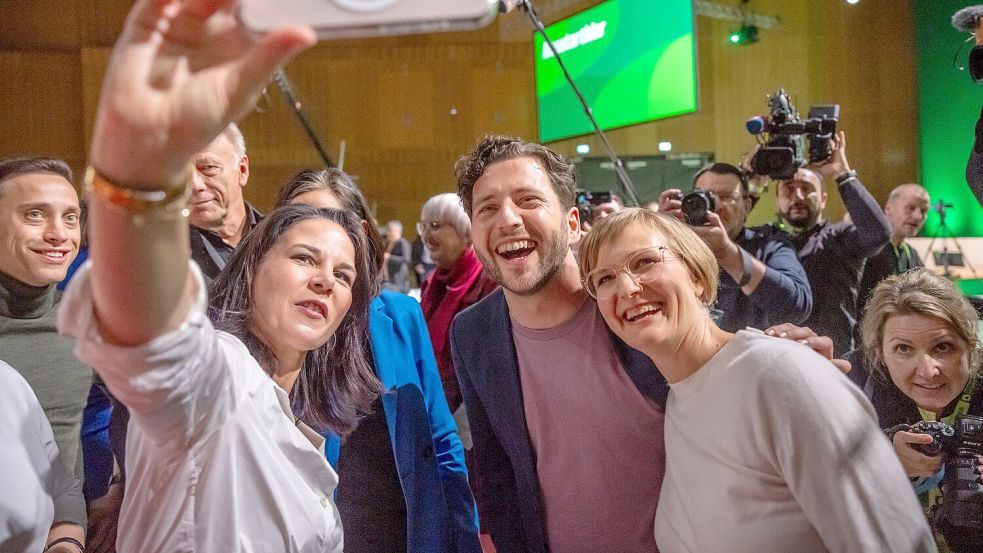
column 633, row 60
column 949, row 104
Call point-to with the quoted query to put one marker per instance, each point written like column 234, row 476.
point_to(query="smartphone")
column 363, row 18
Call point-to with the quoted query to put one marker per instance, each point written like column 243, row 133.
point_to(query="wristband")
column 846, row 176
column 72, row 541
column 140, row 205
column 748, row 268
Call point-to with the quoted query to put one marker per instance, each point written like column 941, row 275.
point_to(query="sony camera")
column 696, row 205
column 785, row 136
column 959, row 518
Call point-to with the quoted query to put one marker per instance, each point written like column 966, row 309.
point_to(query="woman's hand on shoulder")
column 804, row 335
column 916, row 464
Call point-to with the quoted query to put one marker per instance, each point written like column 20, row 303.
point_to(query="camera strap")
column 961, row 408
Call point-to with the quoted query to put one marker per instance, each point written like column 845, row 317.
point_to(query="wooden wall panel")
column 40, row 106
column 407, row 107
column 39, row 26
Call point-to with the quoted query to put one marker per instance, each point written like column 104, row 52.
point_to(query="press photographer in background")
column 762, row 282
column 832, row 254
column 594, row 206
column 906, row 210
column 922, row 350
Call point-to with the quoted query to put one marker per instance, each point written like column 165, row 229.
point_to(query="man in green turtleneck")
column 40, row 231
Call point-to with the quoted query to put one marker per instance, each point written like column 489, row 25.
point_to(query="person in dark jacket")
column 403, row 485
column 833, row 254
column 762, row 282
column 922, row 352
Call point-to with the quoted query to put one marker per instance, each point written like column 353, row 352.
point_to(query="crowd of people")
column 217, row 379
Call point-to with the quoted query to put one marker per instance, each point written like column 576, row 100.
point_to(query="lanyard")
column 902, row 257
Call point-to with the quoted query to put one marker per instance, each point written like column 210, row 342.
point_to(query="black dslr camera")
column 783, row 151
column 696, row 205
column 960, row 515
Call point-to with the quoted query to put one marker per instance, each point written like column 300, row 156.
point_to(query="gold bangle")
column 140, row 205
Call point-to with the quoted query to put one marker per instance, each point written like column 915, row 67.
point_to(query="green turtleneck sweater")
column 30, row 343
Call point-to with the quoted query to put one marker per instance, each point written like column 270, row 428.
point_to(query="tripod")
column 945, row 233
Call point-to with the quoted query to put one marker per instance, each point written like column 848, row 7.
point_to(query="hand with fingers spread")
column 806, row 336
column 180, row 72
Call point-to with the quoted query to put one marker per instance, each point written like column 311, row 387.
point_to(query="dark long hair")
column 341, row 185
column 336, row 383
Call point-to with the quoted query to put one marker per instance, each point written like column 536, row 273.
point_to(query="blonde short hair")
column 918, row 292
column 680, row 239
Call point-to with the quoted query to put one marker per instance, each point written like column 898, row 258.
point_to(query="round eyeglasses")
column 429, row 226
column 642, row 266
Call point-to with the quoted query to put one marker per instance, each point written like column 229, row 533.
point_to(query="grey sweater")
column 30, row 343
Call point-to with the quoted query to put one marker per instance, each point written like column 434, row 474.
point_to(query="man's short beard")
column 806, row 222
column 553, row 254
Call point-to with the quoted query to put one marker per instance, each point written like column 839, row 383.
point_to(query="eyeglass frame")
column 422, row 227
column 623, row 268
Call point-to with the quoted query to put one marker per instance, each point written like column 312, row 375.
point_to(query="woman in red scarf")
column 458, row 282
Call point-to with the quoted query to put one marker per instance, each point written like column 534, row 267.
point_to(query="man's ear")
column 243, row 170
column 573, row 225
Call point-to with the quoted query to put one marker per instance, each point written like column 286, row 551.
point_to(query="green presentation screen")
column 633, row 60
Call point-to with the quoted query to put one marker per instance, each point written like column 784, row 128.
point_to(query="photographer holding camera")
column 762, row 282
column 922, row 351
column 833, row 254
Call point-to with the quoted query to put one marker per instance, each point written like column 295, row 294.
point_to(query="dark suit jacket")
column 488, row 372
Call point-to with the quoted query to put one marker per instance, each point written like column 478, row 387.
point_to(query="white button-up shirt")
column 34, row 483
column 214, row 460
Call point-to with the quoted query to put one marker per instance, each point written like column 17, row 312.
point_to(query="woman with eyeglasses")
column 458, row 282
column 768, row 446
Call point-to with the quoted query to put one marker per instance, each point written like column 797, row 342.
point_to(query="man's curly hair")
column 492, row 149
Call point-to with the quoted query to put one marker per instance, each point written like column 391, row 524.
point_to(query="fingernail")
column 783, row 335
column 804, row 341
column 770, row 332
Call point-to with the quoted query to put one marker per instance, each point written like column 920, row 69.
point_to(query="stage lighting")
column 746, row 34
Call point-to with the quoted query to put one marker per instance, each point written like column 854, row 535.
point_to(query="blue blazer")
column 488, row 373
column 440, row 510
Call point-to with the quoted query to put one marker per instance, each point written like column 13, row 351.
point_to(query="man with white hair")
column 220, row 217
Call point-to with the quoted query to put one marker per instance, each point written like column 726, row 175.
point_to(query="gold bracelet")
column 140, row 205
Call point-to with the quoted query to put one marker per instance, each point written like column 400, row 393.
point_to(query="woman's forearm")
column 140, row 279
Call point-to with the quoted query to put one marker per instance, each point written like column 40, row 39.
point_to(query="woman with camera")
column 768, row 446
column 920, row 338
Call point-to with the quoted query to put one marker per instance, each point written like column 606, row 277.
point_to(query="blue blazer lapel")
column 384, row 353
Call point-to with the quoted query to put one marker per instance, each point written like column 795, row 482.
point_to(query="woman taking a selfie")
column 221, row 453
column 768, row 446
